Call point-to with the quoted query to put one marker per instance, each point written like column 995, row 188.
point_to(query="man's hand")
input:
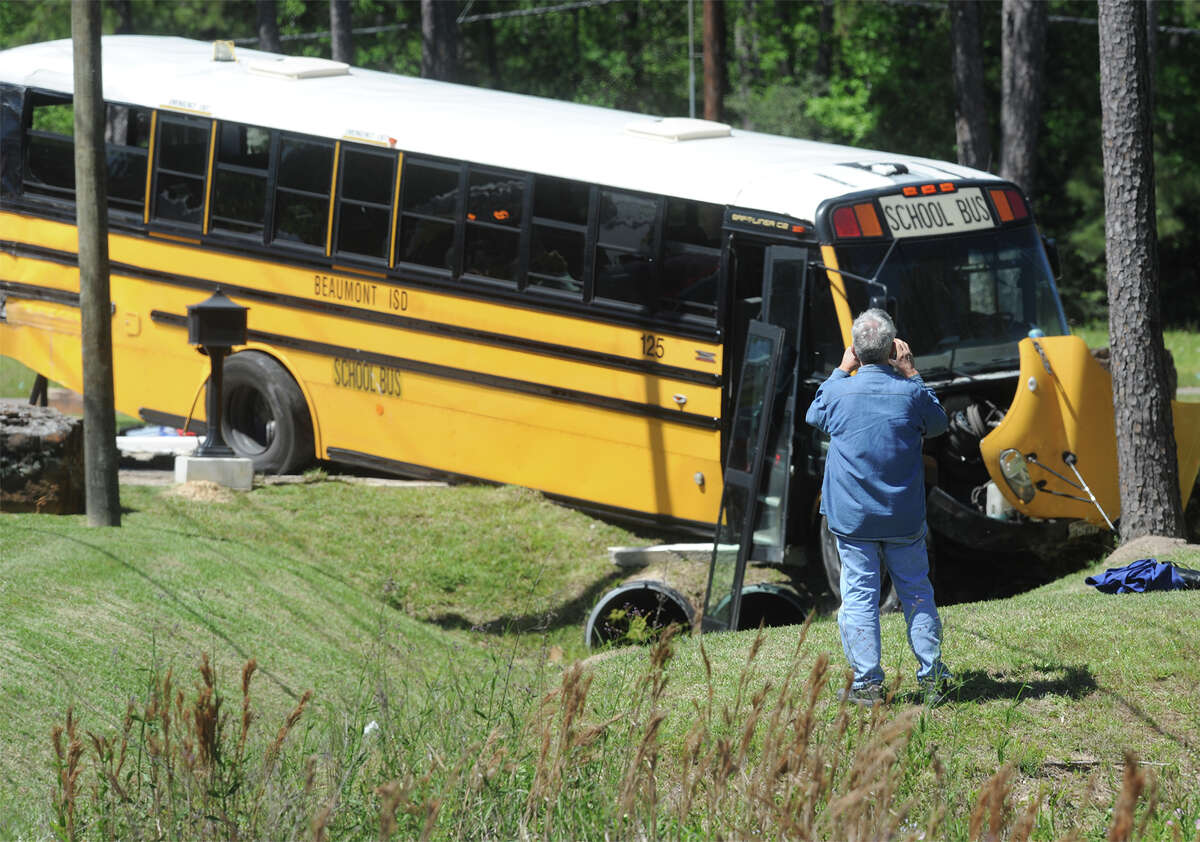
column 849, row 361
column 902, row 359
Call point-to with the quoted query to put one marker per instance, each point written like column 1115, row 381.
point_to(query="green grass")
column 16, row 380
column 1184, row 346
column 446, row 615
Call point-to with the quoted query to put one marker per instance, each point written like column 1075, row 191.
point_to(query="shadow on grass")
column 1070, row 681
column 571, row 612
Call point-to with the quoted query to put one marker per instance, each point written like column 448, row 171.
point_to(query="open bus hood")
column 1064, row 404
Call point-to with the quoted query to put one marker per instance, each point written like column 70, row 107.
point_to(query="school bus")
column 469, row 283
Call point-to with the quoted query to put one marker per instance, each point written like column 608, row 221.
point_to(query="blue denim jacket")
column 874, row 485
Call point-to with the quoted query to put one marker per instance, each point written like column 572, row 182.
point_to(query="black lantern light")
column 216, row 325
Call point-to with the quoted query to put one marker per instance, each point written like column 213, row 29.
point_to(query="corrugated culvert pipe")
column 635, row 612
column 667, row 585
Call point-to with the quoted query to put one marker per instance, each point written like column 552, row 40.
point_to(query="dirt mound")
column 202, row 491
column 1149, row 546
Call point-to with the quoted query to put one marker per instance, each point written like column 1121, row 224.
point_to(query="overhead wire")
column 462, row 18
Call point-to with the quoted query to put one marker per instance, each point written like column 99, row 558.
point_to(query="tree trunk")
column 714, row 60
column 745, row 43
column 1147, row 463
column 439, row 39
column 824, row 66
column 268, row 27
column 339, row 27
column 95, row 303
column 124, row 10
column 970, row 108
column 1152, row 46
column 1023, row 50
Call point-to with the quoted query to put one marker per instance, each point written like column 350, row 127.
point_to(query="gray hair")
column 873, row 333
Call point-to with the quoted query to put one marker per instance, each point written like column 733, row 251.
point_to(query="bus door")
column 753, row 411
column 784, row 297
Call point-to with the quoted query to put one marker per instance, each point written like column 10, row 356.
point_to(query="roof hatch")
column 674, row 129
column 299, row 67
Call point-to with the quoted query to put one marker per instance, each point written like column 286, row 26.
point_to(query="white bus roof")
column 314, row 96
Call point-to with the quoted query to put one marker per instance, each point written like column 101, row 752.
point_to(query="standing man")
column 873, row 496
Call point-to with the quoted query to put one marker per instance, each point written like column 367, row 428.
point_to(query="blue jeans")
column 858, row 618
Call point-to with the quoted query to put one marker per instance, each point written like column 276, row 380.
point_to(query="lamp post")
column 216, row 325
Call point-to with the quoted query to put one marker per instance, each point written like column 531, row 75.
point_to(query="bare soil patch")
column 1150, row 546
column 202, row 491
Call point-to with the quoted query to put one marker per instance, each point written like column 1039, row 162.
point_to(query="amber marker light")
column 910, row 191
column 947, row 187
column 928, row 189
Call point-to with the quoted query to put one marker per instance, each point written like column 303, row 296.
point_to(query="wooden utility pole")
column 439, row 40
column 1147, row 464
column 714, row 60
column 268, row 27
column 339, row 25
column 95, row 304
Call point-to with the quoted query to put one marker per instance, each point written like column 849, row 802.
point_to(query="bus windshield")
column 962, row 303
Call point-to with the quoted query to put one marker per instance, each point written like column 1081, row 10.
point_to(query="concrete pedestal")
column 231, row 472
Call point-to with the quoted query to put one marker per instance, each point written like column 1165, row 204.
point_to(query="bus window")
column 50, row 147
column 180, row 166
column 691, row 258
column 127, row 141
column 625, row 248
column 560, row 215
column 302, row 190
column 429, row 201
column 239, row 200
column 365, row 203
column 495, row 208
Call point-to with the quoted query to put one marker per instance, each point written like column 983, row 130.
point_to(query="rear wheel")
column 889, row 600
column 265, row 418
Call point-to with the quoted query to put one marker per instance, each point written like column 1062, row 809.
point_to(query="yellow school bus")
column 469, row 283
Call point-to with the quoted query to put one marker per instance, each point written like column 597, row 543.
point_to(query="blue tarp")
column 1147, row 574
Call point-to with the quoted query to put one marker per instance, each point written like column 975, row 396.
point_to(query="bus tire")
column 889, row 600
column 264, row 417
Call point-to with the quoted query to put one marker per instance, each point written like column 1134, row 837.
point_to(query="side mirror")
column 1051, row 246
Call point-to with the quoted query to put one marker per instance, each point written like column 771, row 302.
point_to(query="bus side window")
column 50, row 147
column 367, row 179
column 181, row 161
column 560, row 215
column 625, row 247
column 239, row 199
column 495, row 209
column 428, row 202
column 691, row 258
column 302, row 191
column 126, row 146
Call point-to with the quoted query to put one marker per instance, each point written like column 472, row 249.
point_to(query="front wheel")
column 889, row 600
column 264, row 415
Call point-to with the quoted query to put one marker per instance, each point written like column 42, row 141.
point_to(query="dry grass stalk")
column 1134, row 781
column 992, row 806
column 67, row 768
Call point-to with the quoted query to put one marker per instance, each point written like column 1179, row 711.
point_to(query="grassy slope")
column 302, row 578
column 1060, row 681
column 305, row 578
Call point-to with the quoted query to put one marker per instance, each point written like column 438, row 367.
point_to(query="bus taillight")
column 1009, row 204
column 857, row 221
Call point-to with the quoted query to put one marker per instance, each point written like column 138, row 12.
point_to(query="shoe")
column 933, row 691
column 866, row 695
